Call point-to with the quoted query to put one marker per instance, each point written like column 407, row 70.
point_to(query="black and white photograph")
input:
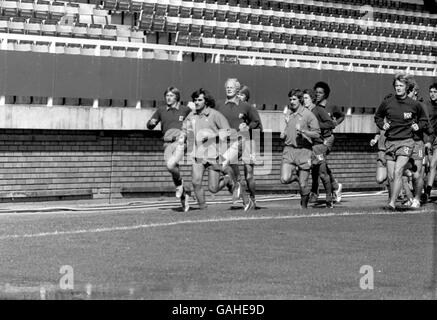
column 230, row 151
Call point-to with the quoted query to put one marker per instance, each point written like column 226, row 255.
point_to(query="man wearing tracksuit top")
column 243, row 118
column 403, row 117
column 320, row 148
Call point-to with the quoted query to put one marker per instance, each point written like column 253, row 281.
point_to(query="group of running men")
column 407, row 143
column 222, row 135
column 218, row 136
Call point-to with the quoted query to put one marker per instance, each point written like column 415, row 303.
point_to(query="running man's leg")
column 399, row 166
column 407, row 189
column 418, row 180
column 250, row 179
column 315, row 180
column 287, row 173
column 390, row 176
column 197, row 175
column 304, row 187
column 173, row 153
column 324, row 176
column 432, row 170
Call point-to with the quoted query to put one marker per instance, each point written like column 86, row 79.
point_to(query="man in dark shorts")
column 431, row 144
column 399, row 116
column 320, row 148
column 322, row 92
column 171, row 117
column 301, row 129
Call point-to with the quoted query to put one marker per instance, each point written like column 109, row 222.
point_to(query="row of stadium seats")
column 35, row 26
column 233, row 13
column 376, row 48
column 368, row 63
column 43, row 9
column 153, row 23
column 233, row 37
column 237, row 30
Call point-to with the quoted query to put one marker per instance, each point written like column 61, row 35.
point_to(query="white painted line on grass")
column 146, row 206
column 181, row 222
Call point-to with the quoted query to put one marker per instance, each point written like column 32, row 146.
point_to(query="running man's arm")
column 223, row 125
column 154, row 120
column 380, row 116
column 338, row 115
column 254, row 118
column 325, row 121
column 422, row 119
column 313, row 131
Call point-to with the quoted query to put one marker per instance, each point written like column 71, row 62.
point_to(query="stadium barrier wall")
column 96, row 164
column 79, row 76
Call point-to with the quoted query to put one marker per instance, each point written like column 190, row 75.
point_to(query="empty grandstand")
column 79, row 79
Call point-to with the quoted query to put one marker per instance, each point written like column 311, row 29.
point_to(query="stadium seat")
column 109, row 32
column 137, row 36
column 182, row 39
column 148, row 54
column 185, row 10
column 245, row 45
column 160, row 55
column 26, row 8
column 196, row 11
column 171, row 24
column 48, row 28
column 232, row 14
column 146, row 21
column 118, row 52
column 73, row 49
column 10, row 8
column 95, row 31
column 270, row 63
column 173, row 8
column 100, row 16
column 105, row 51
column 41, row 9
column 123, row 5
column 195, row 40
column 88, row 50
column 109, row 4
column 23, row 46
column 123, row 33
column 16, row 25
column 197, row 26
column 33, row 27
column 63, row 30
column 57, row 10
column 80, row 30
column 133, row 53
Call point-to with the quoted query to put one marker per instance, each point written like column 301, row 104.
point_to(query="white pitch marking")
column 174, row 223
column 147, row 206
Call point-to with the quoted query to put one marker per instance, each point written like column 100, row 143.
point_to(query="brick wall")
column 61, row 164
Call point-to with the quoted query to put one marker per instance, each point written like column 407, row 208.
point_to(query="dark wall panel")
column 42, row 74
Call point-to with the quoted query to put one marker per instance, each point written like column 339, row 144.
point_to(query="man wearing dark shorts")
column 322, row 92
column 321, row 147
column 431, row 144
column 171, row 117
column 399, row 116
column 301, row 129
